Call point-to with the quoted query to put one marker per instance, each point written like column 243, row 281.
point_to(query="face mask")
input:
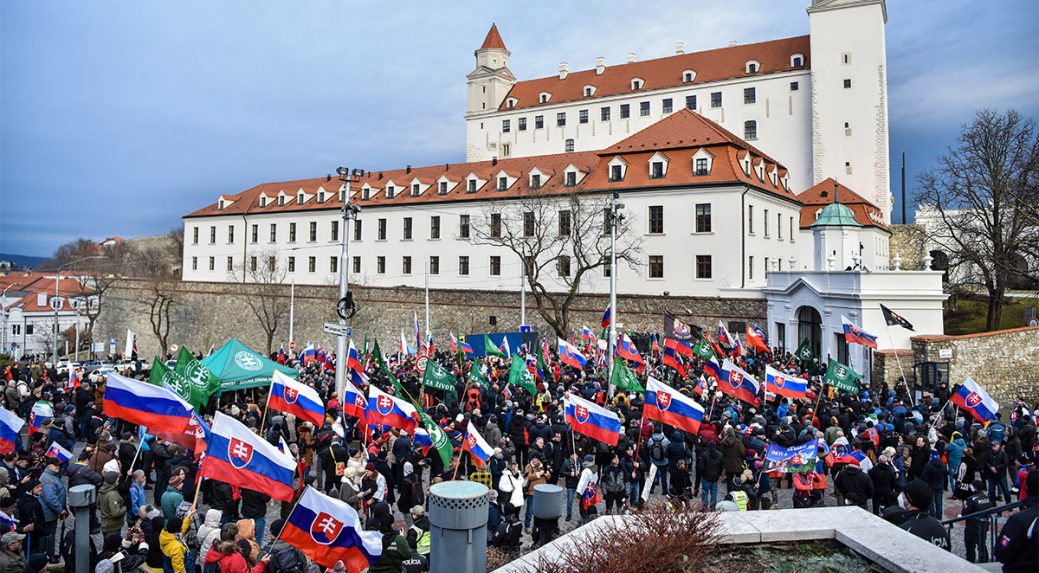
column 902, row 501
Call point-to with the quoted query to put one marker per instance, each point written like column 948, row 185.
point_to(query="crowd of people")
column 899, row 456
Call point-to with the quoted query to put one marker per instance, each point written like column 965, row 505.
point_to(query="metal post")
column 523, row 291
column 292, row 309
column 348, row 212
column 427, row 299
column 81, row 498
column 614, row 212
column 54, row 333
column 76, row 325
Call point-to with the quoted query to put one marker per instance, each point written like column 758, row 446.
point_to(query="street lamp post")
column 615, row 218
column 348, row 213
column 54, row 305
column 5, row 313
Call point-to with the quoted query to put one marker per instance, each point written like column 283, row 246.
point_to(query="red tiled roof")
column 821, row 194
column 493, row 39
column 684, row 130
column 34, row 283
column 711, row 65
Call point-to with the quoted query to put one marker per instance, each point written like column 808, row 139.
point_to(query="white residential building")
column 27, row 312
column 816, row 103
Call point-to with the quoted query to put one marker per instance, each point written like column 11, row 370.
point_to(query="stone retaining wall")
column 205, row 314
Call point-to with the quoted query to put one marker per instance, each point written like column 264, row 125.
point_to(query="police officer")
column 977, row 528
column 1018, row 545
column 916, row 499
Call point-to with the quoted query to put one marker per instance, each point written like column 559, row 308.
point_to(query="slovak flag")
column 672, row 360
column 532, row 367
column 405, row 350
column 780, row 383
column 590, row 419
column 667, row 405
column 281, row 354
column 607, row 317
column 477, row 447
column 723, row 335
column 701, row 386
column 738, row 383
column 505, row 347
column 146, row 405
column 713, row 369
column 328, row 530
column 239, row 457
column 452, row 343
column 854, row 334
column 354, row 402
column 737, row 346
column 309, row 354
column 353, row 358
column 394, row 412
column 627, row 349
column 74, row 381
column 569, row 355
column 10, row 426
column 757, row 338
column 292, row 397
column 422, row 441
column 38, row 416
column 59, row 453
column 973, row 398
column 586, row 334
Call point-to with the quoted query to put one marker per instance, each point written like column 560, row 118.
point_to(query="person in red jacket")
column 226, row 554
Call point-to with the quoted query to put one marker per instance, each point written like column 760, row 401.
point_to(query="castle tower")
column 836, row 236
column 491, row 79
column 849, row 97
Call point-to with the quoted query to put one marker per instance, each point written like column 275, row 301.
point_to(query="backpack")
column 213, row 567
column 285, row 560
column 656, row 452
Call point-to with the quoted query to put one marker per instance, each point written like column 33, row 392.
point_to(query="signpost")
column 337, row 329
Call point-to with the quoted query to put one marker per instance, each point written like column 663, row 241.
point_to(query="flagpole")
column 426, row 278
column 140, row 444
column 270, row 549
column 905, row 381
column 614, row 217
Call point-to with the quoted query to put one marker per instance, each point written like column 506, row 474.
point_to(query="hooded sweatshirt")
column 209, row 531
column 247, row 531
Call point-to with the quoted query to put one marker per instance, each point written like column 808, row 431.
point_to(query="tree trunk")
column 995, row 310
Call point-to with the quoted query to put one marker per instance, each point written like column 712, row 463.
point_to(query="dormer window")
column 281, row 200
column 321, row 197
column 797, row 60
column 220, row 205
column 299, row 199
column 702, row 163
column 442, row 189
column 688, row 76
column 637, row 83
column 390, row 191
column 657, row 166
column 415, row 190
column 589, row 91
column 753, row 67
column 263, row 201
column 472, row 186
column 616, row 173
column 570, row 179
column 366, row 193
column 511, row 102
column 543, row 97
column 535, row 181
column 503, row 183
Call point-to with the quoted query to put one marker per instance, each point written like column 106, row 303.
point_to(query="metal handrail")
column 984, row 513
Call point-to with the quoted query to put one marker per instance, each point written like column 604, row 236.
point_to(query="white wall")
column 783, row 121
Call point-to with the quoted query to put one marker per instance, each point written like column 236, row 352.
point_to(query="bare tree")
column 161, row 295
column 984, row 195
column 560, row 239
column 69, row 252
column 267, row 296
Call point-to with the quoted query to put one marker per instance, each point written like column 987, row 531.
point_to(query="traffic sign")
column 292, row 345
column 338, row 329
column 420, row 364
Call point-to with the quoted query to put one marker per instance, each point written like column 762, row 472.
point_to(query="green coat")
column 112, row 508
column 171, row 500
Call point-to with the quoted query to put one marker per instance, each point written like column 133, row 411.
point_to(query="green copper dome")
column 836, row 215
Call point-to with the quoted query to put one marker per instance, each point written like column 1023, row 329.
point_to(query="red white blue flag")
column 59, row 453
column 292, row 397
column 239, row 457
column 974, row 399
column 10, row 425
column 146, row 405
column 569, row 355
column 354, row 402
column 477, row 447
column 627, row 350
column 668, row 405
column 328, row 530
column 590, row 419
column 757, row 338
column 384, row 409
column 353, row 358
column 783, row 384
column 853, row 333
column 39, row 414
column 738, row 383
column 607, row 317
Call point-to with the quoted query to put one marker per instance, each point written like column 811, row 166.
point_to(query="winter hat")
column 417, row 512
column 111, row 477
column 176, row 481
column 112, row 542
column 276, row 526
column 918, row 493
column 370, row 467
column 37, row 562
column 408, row 469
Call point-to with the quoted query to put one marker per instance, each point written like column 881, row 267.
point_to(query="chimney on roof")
column 328, row 177
column 679, row 47
column 447, row 166
column 494, row 160
column 380, row 175
column 407, row 169
column 733, row 43
column 600, row 65
column 564, row 70
column 631, row 58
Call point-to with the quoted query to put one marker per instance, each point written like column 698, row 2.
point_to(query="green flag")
column 804, row 351
column 203, row 382
column 438, row 378
column 520, row 376
column 704, row 350
column 842, row 377
column 490, row 349
column 397, row 388
column 623, row 378
column 439, row 438
column 542, row 363
column 476, row 375
column 162, row 375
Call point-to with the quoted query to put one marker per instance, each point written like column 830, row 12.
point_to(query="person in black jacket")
column 917, row 498
column 571, row 472
column 854, row 485
column 1016, row 546
column 254, row 507
column 976, row 529
column 223, row 499
column 884, row 478
column 709, row 467
column 995, row 472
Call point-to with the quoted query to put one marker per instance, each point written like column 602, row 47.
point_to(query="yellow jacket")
column 174, row 548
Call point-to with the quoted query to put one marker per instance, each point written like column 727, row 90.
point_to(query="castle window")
column 616, row 173
column 443, row 188
column 416, row 190
column 506, row 125
column 716, row 99
column 847, row 167
column 636, row 83
column 604, row 113
column 535, row 181
column 561, row 119
column 366, row 193
column 521, row 124
column 390, row 191
column 753, row 67
column 750, row 95
column 544, row 97
column 690, row 102
column 569, row 145
column 299, row 199
column 625, row 110
column 667, row 106
column 503, row 183
column 539, row 121
column 656, row 170
column 847, row 84
column 281, row 200
column 793, row 86
column 688, row 76
column 797, row 60
column 570, row 179
column 846, row 58
column 589, row 91
column 472, row 186
column 750, row 130
column 263, row 201
column 701, row 167
column 644, row 109
column 582, row 116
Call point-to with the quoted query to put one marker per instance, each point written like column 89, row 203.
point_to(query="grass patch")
column 969, row 316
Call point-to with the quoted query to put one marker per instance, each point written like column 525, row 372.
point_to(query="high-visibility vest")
column 740, row 499
column 422, row 538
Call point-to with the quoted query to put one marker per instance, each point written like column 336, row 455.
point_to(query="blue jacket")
column 136, row 499
column 53, row 497
column 955, row 450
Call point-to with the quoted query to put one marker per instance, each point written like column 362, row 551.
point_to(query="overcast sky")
column 118, row 117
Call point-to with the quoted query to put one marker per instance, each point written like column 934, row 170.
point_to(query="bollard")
column 548, row 508
column 81, row 498
column 458, row 526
